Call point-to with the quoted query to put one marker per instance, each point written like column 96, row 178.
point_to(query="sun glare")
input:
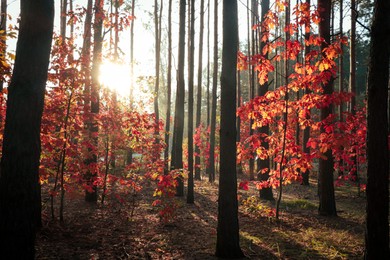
column 116, row 77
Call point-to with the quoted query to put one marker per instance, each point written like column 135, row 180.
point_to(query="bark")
column 190, row 194
column 327, row 203
column 211, row 164
column 208, row 65
column 91, row 175
column 178, row 128
column 199, row 88
column 169, row 86
column 264, row 193
column 63, row 13
column 352, row 57
column 377, row 222
column 228, row 245
column 20, row 194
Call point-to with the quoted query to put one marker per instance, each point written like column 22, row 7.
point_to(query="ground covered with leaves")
column 131, row 229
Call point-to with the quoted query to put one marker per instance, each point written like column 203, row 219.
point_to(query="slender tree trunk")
column 208, row 66
column 352, row 57
column 63, row 13
column 306, row 131
column 377, row 221
column 177, row 149
column 91, row 195
column 265, row 193
column 199, row 88
column 228, row 244
column 211, row 164
column 20, row 191
column 191, row 55
column 169, row 86
column 327, row 205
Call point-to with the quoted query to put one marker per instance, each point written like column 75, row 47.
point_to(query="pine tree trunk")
column 178, row 128
column 169, row 87
column 20, row 191
column 211, row 164
column 377, row 209
column 228, row 245
column 199, row 88
column 190, row 193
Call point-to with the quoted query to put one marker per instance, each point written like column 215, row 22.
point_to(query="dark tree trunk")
column 169, row 86
column 352, row 57
column 228, row 245
column 20, row 194
column 157, row 30
column 211, row 164
column 190, row 193
column 377, row 222
column 63, row 12
column 327, row 205
column 199, row 88
column 265, row 193
column 208, row 66
column 178, row 128
column 91, row 175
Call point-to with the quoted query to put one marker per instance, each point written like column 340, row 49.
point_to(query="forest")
column 224, row 129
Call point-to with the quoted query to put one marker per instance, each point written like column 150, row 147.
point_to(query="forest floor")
column 133, row 230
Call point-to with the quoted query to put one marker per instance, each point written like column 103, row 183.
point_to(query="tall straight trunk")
column 3, row 27
column 63, row 13
column 211, row 164
column 377, row 221
column 208, row 66
column 177, row 149
column 20, row 191
column 72, row 24
column 264, row 193
column 157, row 27
column 327, row 205
column 341, row 58
column 91, row 175
column 129, row 152
column 191, row 55
column 169, row 86
column 254, row 50
column 228, row 242
column 199, row 88
column 352, row 57
column 306, row 131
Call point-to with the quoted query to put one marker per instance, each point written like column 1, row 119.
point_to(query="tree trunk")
column 177, row 149
column 228, row 245
column 20, row 194
column 199, row 88
column 377, row 222
column 63, row 13
column 211, row 164
column 169, row 86
column 91, row 175
column 265, row 193
column 327, row 205
column 352, row 57
column 306, row 131
column 190, row 193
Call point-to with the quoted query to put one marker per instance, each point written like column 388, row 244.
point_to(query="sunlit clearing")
column 116, row 77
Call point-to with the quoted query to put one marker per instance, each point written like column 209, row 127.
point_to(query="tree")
column 228, row 245
column 169, row 87
column 93, row 127
column 213, row 118
column 265, row 193
column 178, row 127
column 327, row 205
column 377, row 222
column 190, row 194
column 20, row 201
column 199, row 88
